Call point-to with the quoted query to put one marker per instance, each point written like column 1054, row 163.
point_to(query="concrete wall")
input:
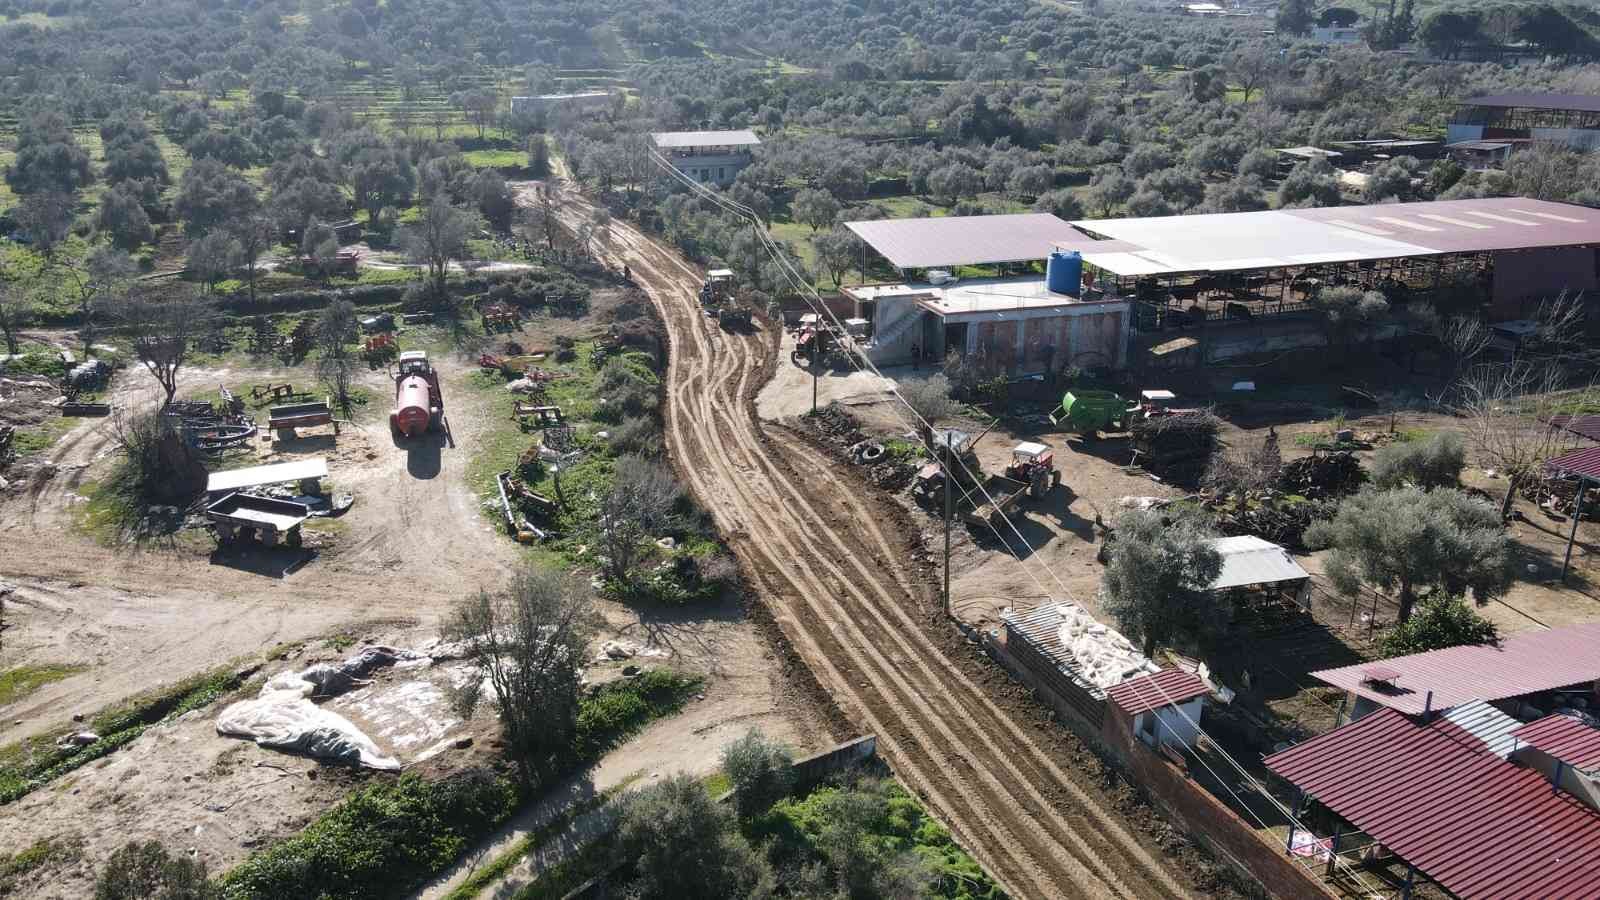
column 1211, row 823
column 1172, row 726
column 712, row 169
column 1190, row 807
column 1027, row 341
column 1573, row 782
column 818, row 766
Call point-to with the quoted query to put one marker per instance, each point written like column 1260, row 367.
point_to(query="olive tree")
column 438, row 236
column 528, row 645
column 1436, row 461
column 1158, row 577
column 335, row 366
column 1416, row 545
column 682, row 844
column 762, row 772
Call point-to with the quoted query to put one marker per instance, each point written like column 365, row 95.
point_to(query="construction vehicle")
column 418, row 402
column 1032, row 473
column 1090, row 412
column 1034, row 464
column 733, row 316
column 719, row 286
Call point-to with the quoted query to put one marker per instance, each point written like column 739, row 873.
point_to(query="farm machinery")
column 418, row 402
column 1091, row 412
column 1032, row 473
column 719, row 296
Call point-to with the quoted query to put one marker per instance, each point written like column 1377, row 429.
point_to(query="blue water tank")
column 1064, row 272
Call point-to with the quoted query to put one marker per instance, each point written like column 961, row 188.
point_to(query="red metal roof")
column 1567, row 738
column 1474, row 823
column 1520, row 664
column 1582, row 426
column 1584, row 463
column 1164, row 688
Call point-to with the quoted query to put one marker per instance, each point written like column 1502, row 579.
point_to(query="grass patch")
column 23, row 680
column 31, row 763
column 496, row 159
column 388, row 839
column 35, row 856
column 33, row 440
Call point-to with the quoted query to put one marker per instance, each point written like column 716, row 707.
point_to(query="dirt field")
column 389, row 570
column 838, row 576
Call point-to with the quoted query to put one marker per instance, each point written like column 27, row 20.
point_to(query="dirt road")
column 842, row 589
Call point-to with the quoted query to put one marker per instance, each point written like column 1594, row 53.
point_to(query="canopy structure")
column 278, row 473
column 967, row 240
column 683, row 140
column 1247, row 560
column 1477, row 825
column 1584, row 465
column 1288, row 238
column 1438, row 680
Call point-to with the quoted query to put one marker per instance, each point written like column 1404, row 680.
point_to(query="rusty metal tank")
column 412, row 413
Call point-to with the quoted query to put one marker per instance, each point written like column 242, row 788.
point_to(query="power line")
column 808, row 294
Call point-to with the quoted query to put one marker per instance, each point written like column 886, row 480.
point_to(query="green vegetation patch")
column 31, row 763
column 47, row 852
column 388, row 839
column 23, row 680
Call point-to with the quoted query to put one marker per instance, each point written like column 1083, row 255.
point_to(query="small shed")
column 1164, row 707
column 1250, row 562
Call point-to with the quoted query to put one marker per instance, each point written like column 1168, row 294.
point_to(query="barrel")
column 1064, row 272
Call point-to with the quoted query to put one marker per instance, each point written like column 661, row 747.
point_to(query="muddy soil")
column 835, row 568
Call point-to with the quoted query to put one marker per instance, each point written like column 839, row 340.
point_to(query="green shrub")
column 617, row 709
column 1437, row 624
column 762, row 772
column 384, row 841
column 147, row 872
column 1434, row 462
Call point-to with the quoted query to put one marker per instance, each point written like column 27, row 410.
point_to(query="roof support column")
column 1572, row 536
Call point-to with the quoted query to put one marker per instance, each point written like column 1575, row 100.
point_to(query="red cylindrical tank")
column 411, row 406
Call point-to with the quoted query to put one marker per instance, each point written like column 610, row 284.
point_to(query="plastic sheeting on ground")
column 282, row 716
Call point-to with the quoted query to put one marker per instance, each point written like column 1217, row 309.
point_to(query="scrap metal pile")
column 213, row 428
column 1304, row 492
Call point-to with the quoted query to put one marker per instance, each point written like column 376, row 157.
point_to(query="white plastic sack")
column 282, row 717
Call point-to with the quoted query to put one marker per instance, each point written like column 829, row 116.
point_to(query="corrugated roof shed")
column 1167, row 687
column 1222, row 242
column 1582, row 426
column 967, row 240
column 1565, row 737
column 1520, row 664
column 1041, row 628
column 1578, row 102
column 1488, row 725
column 1247, row 559
column 1585, row 463
column 1478, row 825
column 668, row 140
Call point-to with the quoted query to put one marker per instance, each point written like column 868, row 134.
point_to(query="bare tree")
column 102, row 277
column 1506, row 408
column 162, row 329
column 641, row 504
column 1463, row 339
column 529, row 643
column 335, row 366
column 540, row 222
column 439, row 236
column 255, row 234
column 17, row 304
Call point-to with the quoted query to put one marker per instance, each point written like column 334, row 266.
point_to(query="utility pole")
column 813, row 383
column 948, row 476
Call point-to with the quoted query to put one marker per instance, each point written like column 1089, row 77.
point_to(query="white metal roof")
column 1158, row 395
column 236, row 479
column 1247, row 559
column 966, row 240
column 719, row 273
column 679, row 139
column 1487, row 724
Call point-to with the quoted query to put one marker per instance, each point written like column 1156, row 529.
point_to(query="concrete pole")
column 949, row 476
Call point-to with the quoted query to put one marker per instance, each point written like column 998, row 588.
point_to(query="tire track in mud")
column 836, row 588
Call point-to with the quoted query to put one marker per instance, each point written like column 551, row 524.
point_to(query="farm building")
column 551, row 102
column 710, row 157
column 1572, row 119
column 1015, row 322
column 1092, row 673
column 1443, row 803
column 1525, row 675
column 1248, row 562
column 1145, row 276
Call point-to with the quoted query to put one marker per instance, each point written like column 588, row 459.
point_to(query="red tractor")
column 418, row 403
